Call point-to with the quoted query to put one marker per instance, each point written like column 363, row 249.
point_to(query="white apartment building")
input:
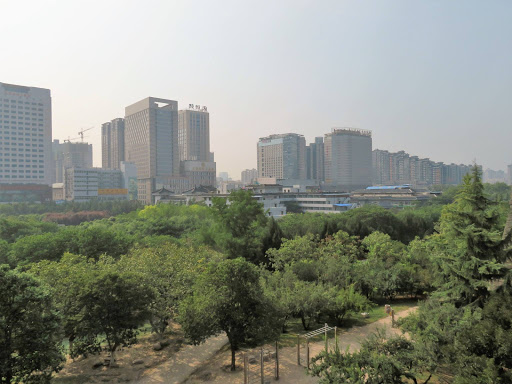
column 25, row 135
column 84, row 184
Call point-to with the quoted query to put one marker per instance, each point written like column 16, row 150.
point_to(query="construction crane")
column 81, row 132
column 68, row 140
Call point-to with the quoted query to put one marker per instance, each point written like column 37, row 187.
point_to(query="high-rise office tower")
column 151, row 142
column 197, row 163
column 70, row 155
column 348, row 158
column 315, row 160
column 112, row 144
column 282, row 156
column 26, row 135
column 194, row 134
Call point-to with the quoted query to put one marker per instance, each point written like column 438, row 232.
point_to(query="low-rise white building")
column 84, row 184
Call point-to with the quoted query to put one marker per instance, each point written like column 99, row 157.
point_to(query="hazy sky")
column 433, row 78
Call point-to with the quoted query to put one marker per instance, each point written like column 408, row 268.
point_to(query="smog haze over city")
column 432, row 78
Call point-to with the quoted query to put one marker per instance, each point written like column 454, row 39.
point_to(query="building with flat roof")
column 348, row 158
column 151, row 142
column 25, row 135
column 282, row 156
column 112, row 144
column 391, row 168
column 392, row 196
column 84, row 184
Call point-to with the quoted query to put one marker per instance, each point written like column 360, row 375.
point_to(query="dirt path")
column 184, row 363
column 214, row 370
column 353, row 338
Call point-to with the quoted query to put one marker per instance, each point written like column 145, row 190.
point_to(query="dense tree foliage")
column 169, row 271
column 114, row 306
column 243, row 221
column 469, row 249
column 112, row 207
column 464, row 329
column 230, row 268
column 379, row 361
column 29, row 329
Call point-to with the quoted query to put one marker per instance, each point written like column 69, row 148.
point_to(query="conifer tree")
column 469, row 251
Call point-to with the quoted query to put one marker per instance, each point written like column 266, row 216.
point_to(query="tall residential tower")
column 112, row 144
column 26, row 135
column 348, row 158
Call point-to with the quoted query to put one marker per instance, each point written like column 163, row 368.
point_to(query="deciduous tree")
column 30, row 349
column 228, row 298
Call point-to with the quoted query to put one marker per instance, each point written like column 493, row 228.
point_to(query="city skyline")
column 436, row 89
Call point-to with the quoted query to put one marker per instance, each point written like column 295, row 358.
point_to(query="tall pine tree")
column 470, row 251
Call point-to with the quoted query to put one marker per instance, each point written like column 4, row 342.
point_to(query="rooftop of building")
column 350, row 131
column 280, row 136
column 20, row 88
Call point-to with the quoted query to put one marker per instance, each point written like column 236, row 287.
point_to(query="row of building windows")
column 19, row 118
column 21, row 102
column 27, row 127
column 19, row 155
column 21, row 149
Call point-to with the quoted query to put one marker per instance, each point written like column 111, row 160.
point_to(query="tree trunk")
column 233, row 359
column 71, row 341
column 303, row 319
column 8, row 376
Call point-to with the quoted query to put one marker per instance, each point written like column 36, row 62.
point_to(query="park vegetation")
column 93, row 279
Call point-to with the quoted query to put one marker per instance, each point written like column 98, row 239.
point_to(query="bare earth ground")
column 216, row 370
column 207, row 363
column 81, row 371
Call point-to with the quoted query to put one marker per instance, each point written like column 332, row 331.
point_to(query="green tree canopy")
column 114, row 306
column 244, row 220
column 30, row 348
column 469, row 249
column 228, row 298
column 169, row 271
